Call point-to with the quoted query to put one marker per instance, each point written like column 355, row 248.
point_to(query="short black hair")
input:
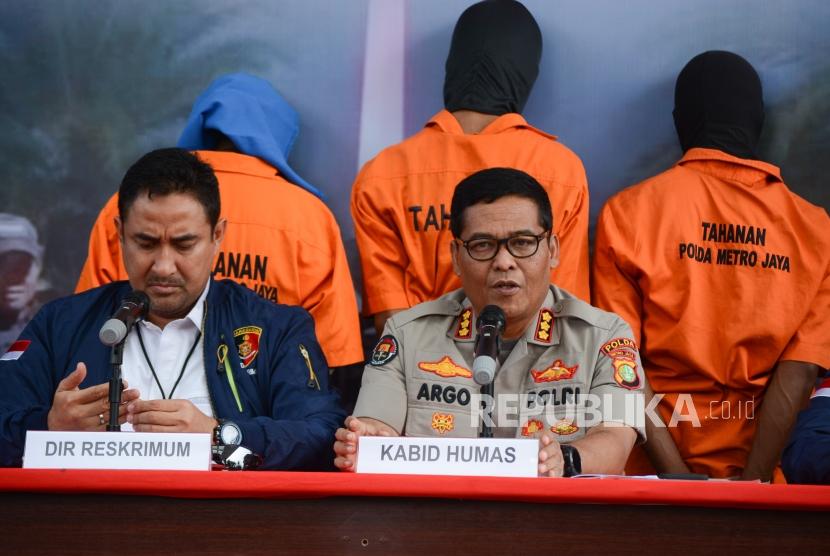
column 487, row 186
column 166, row 171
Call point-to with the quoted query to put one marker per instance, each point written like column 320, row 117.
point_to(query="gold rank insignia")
column 557, row 371
column 532, row 427
column 443, row 422
column 563, row 427
column 544, row 326
column 446, row 368
column 464, row 329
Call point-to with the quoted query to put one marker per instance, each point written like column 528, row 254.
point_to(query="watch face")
column 229, row 433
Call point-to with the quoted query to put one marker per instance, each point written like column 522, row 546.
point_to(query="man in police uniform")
column 569, row 372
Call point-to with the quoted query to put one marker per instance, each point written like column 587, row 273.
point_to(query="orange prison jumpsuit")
column 401, row 206
column 722, row 272
column 281, row 241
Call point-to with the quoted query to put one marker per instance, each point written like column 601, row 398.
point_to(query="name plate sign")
column 493, row 457
column 117, row 450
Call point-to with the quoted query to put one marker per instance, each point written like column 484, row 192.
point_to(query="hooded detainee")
column 723, row 274
column 401, row 199
column 282, row 241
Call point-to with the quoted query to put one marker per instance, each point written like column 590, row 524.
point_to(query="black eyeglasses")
column 520, row 246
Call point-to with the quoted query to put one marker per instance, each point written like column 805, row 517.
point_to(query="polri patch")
column 385, row 351
column 247, row 344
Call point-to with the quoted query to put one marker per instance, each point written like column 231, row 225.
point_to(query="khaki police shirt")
column 574, row 367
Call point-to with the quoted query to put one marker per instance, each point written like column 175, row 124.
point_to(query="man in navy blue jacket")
column 807, row 457
column 211, row 356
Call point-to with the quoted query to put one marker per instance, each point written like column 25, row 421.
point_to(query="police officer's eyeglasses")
column 520, row 246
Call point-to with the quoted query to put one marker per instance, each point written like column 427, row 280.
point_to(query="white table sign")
column 494, row 457
column 117, row 450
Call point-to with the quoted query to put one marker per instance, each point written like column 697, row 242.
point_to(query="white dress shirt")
column 167, row 350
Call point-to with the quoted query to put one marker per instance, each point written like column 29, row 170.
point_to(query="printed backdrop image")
column 89, row 86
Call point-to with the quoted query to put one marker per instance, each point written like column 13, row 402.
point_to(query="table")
column 221, row 512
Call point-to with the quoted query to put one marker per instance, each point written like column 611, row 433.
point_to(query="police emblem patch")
column 247, row 344
column 557, row 371
column 446, row 368
column 625, row 371
column 532, row 427
column 443, row 422
column 385, row 351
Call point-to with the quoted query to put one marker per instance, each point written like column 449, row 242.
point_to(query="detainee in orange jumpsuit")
column 282, row 241
column 401, row 199
column 724, row 275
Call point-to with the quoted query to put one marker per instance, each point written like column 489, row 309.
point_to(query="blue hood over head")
column 253, row 115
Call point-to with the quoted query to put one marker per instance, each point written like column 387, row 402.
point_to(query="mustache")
column 157, row 281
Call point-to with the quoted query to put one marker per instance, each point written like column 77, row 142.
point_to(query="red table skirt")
column 297, row 485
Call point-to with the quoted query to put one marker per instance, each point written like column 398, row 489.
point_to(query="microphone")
column 489, row 326
column 135, row 306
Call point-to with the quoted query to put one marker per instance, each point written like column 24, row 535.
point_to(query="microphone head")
column 492, row 315
column 140, row 299
column 484, row 370
column 112, row 332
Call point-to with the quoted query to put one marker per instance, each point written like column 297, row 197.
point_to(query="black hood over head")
column 494, row 58
column 718, row 104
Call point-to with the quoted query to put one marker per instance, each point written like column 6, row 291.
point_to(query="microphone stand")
column 116, row 358
column 486, row 429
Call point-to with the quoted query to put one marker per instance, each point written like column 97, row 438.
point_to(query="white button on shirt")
column 167, row 350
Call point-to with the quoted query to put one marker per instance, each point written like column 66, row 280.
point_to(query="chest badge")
column 464, row 330
column 543, row 326
column 443, row 422
column 247, row 344
column 532, row 427
column 563, row 427
column 446, row 368
column 557, row 371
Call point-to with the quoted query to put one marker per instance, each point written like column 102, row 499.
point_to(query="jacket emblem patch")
column 557, row 371
column 443, row 422
column 247, row 344
column 446, row 368
column 543, row 326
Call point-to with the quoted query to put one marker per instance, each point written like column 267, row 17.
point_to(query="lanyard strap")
column 152, row 370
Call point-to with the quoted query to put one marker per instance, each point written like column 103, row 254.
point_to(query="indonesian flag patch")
column 16, row 350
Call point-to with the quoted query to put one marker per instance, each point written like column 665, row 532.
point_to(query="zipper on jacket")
column 312, row 376
column 225, row 367
column 204, row 350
